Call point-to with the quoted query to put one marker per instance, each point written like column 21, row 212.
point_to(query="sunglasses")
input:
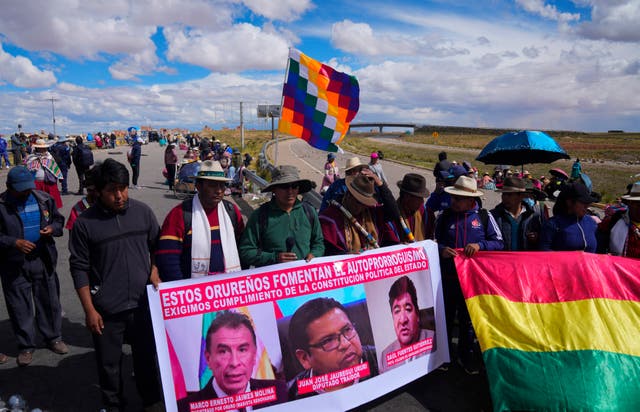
column 288, row 186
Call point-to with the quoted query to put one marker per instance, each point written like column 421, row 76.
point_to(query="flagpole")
column 286, row 73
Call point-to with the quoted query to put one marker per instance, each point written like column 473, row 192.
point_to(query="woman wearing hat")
column 45, row 170
column 412, row 225
column 358, row 222
column 330, row 172
column 171, row 163
column 284, row 229
column 570, row 228
column 625, row 234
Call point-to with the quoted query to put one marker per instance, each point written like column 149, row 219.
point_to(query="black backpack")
column 187, row 218
column 86, row 157
column 57, row 155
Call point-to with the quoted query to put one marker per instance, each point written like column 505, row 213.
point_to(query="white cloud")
column 547, row 11
column 359, row 38
column 243, row 47
column 21, row 72
column 615, row 20
column 285, row 10
column 135, row 64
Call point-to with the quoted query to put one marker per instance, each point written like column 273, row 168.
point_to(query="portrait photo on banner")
column 226, row 354
column 327, row 341
column 402, row 318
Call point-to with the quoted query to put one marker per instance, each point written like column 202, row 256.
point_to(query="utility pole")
column 241, row 129
column 53, row 113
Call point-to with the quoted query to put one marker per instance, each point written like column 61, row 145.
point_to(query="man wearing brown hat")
column 412, row 225
column 199, row 237
column 284, row 229
column 338, row 188
column 358, row 223
column 468, row 227
column 519, row 224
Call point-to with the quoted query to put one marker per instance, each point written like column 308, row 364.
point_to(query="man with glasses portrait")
column 324, row 340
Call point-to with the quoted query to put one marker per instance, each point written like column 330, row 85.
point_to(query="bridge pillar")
column 380, row 128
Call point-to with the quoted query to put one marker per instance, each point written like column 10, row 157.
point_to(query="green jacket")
column 261, row 249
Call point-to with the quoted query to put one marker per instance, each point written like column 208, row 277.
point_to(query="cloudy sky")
column 521, row 64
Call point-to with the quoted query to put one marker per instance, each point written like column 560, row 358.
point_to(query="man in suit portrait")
column 325, row 340
column 403, row 302
column 231, row 355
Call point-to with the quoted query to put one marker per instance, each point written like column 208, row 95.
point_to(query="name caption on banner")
column 241, row 400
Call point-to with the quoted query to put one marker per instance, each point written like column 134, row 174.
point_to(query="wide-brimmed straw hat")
column 464, row 186
column 283, row 175
column 513, row 185
column 362, row 188
column 40, row 144
column 634, row 194
column 211, row 170
column 353, row 162
column 414, row 184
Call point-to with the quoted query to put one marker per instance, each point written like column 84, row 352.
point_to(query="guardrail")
column 311, row 197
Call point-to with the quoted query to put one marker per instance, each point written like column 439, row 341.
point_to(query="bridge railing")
column 311, row 197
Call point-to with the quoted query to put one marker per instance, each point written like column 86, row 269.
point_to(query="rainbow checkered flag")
column 318, row 102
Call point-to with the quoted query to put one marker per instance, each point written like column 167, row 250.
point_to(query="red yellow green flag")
column 559, row 330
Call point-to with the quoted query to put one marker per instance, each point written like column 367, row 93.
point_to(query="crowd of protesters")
column 117, row 245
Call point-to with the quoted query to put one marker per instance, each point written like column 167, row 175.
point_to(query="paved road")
column 438, row 391
column 69, row 383
column 311, row 161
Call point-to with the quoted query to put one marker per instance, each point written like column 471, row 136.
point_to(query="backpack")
column 187, row 215
column 55, row 152
column 86, row 157
column 440, row 228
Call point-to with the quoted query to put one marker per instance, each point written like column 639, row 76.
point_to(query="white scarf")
column 201, row 240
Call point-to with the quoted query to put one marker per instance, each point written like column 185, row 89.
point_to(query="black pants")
column 80, row 171
column 135, row 169
column 456, row 309
column 135, row 326
column 171, row 175
column 33, row 287
column 64, row 181
column 17, row 158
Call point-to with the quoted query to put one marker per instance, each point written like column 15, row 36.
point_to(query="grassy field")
column 622, row 147
column 604, row 156
column 609, row 179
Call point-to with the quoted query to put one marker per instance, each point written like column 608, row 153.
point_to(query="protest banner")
column 330, row 334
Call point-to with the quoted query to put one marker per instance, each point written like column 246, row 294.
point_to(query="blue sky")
column 521, row 64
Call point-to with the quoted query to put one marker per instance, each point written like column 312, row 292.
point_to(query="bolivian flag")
column 559, row 330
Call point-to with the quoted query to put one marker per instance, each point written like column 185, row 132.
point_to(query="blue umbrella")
column 520, row 148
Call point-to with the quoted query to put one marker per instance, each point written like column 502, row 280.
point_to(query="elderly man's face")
column 334, row 344
column 231, row 356
column 406, row 320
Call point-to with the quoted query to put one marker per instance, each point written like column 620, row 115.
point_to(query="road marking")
column 301, row 159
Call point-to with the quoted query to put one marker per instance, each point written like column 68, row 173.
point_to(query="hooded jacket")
column 568, row 232
column 11, row 229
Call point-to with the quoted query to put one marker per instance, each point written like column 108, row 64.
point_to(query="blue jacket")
column 569, row 233
column 456, row 230
column 3, row 145
column 136, row 152
column 11, row 229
